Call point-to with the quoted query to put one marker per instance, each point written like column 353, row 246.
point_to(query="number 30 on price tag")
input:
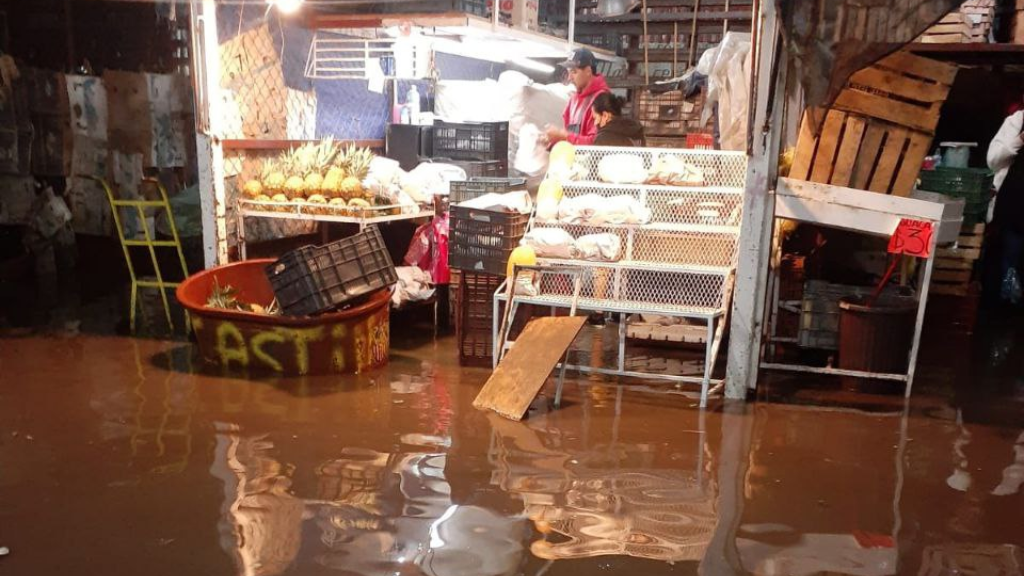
column 913, row 238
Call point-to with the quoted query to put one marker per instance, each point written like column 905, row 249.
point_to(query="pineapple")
column 317, row 204
column 339, row 206
column 358, row 167
column 332, row 182
column 280, row 199
column 320, row 157
column 272, row 177
column 252, row 189
column 294, row 164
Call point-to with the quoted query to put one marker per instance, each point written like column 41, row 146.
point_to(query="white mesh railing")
column 677, row 262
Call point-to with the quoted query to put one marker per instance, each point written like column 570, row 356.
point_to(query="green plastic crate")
column 971, row 184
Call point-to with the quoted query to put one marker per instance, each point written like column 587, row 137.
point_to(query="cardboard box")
column 52, row 146
column 90, row 207
column 17, row 194
column 47, row 93
column 87, row 101
column 518, row 13
column 8, row 151
column 128, row 116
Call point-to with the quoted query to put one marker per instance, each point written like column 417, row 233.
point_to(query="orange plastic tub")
column 350, row 341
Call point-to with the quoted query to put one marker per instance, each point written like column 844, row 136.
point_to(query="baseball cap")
column 580, row 58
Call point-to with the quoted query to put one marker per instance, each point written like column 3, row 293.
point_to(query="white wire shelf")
column 639, row 265
column 680, row 227
column 327, row 213
column 574, row 185
column 616, row 305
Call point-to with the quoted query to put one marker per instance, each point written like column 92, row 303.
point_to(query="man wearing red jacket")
column 580, row 127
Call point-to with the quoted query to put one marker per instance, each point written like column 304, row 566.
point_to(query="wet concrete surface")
column 122, row 456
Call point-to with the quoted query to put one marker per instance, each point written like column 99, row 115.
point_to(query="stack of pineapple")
column 317, row 174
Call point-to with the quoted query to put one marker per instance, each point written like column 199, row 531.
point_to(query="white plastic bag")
column 531, row 154
column 518, row 201
column 430, row 179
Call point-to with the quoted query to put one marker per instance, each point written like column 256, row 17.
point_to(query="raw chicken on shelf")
column 674, row 171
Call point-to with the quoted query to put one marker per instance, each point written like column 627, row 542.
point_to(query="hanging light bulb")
column 286, row 6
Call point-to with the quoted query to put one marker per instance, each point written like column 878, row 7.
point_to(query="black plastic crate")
column 313, row 279
column 471, row 141
column 462, row 191
column 477, row 168
column 482, row 240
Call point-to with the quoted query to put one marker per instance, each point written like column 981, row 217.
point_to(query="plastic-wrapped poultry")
column 622, row 169
column 549, row 242
column 594, row 209
column 598, row 248
column 674, row 171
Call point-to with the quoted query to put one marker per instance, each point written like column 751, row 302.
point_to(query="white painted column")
column 209, row 122
column 766, row 131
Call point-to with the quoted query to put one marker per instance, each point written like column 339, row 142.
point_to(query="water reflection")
column 261, row 522
column 615, row 499
column 425, row 485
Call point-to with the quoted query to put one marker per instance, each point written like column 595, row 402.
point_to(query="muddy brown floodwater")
column 120, row 456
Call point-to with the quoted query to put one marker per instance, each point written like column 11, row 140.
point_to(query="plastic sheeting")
column 727, row 67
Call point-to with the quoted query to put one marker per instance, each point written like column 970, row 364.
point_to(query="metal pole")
column 209, row 131
column 647, row 41
column 926, row 280
column 675, row 49
column 691, row 60
column 758, row 208
column 572, row 23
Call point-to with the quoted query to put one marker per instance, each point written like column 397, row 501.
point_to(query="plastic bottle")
column 412, row 101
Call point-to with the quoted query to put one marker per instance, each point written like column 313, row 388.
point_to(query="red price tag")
column 913, row 238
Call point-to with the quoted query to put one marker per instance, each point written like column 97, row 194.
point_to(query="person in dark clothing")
column 1006, row 158
column 612, row 128
column 1009, row 214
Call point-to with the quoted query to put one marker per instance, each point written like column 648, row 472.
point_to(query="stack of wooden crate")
column 954, row 266
column 980, row 14
column 880, row 127
column 1017, row 30
column 669, row 114
column 954, row 28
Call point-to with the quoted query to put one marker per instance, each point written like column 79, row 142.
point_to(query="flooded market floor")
column 120, row 456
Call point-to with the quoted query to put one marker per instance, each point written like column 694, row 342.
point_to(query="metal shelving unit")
column 322, row 213
column 681, row 263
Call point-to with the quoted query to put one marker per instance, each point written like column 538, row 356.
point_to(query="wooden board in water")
column 522, row 373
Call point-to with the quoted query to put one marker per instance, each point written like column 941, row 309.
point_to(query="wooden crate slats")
column 915, row 65
column 901, row 85
column 807, row 142
column 828, row 142
column 880, row 127
column 867, row 158
column 892, row 151
column 847, row 158
column 901, row 113
column 914, row 156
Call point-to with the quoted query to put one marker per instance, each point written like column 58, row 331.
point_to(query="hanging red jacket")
column 578, row 117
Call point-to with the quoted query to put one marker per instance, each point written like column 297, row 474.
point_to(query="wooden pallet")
column 676, row 333
column 955, row 266
column 879, row 128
